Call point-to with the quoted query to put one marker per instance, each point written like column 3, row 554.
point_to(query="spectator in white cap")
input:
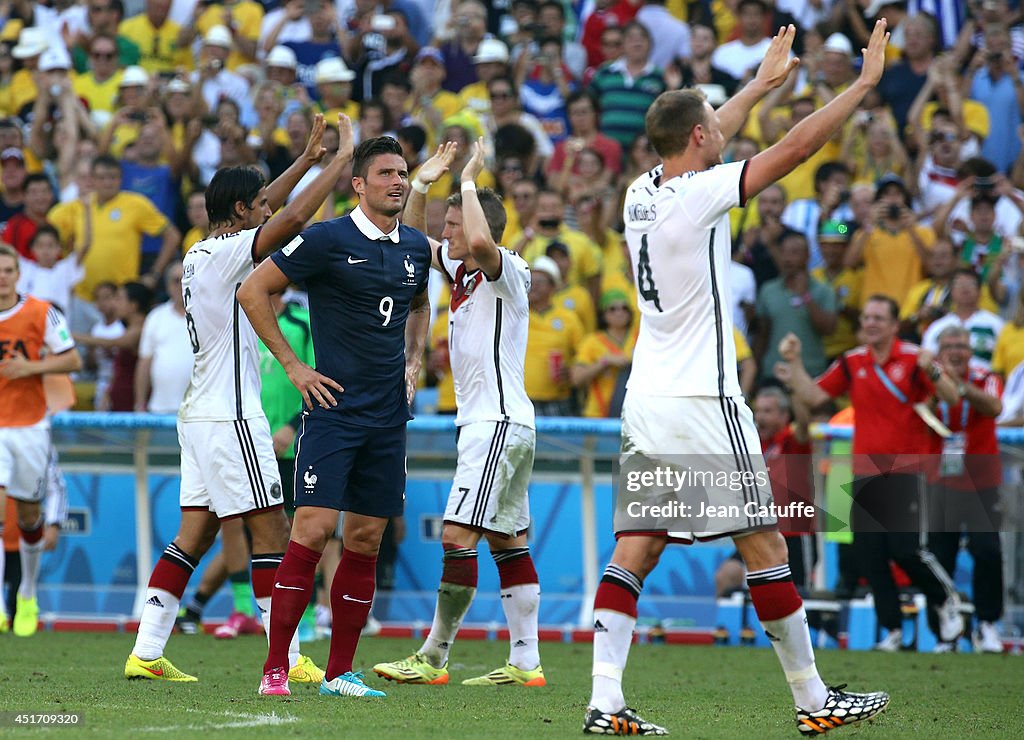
column 281, row 65
column 132, row 110
column 491, row 61
column 216, row 81
column 58, row 116
column 241, row 20
column 156, row 35
column 99, row 86
column 431, row 104
column 32, row 42
column 334, row 86
column 837, row 63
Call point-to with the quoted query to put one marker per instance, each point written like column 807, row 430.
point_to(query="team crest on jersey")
column 410, row 271
column 463, row 288
column 898, row 372
column 275, row 490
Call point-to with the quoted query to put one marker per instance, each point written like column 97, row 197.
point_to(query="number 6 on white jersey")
column 386, row 304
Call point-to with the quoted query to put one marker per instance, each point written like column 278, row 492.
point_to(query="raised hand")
column 874, row 55
column 789, row 347
column 434, row 168
column 777, row 62
column 346, row 139
column 315, row 150
column 475, row 165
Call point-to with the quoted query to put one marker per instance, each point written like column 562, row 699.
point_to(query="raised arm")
column 791, row 371
column 279, row 189
column 773, row 71
column 293, row 217
column 431, row 171
column 474, row 222
column 810, row 134
column 254, row 298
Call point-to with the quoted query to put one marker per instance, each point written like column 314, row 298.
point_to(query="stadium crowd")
column 116, row 114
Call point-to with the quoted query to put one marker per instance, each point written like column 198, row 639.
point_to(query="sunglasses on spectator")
column 511, row 168
column 502, row 94
column 100, row 8
column 936, row 136
column 961, row 345
column 618, row 307
column 103, row 55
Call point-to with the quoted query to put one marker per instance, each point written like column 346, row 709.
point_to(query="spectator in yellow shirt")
column 242, row 18
column 198, row 219
column 576, row 298
column 555, row 336
column 833, row 239
column 546, row 227
column 119, row 220
column 156, row 37
column 490, row 61
column 1009, row 351
column 891, row 246
column 603, row 355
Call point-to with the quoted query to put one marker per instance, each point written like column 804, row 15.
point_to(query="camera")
column 893, row 211
column 139, row 116
column 209, row 121
column 984, row 183
column 994, row 56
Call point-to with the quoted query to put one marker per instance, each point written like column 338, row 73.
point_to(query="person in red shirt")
column 607, row 13
column 786, row 446
column 891, row 442
column 967, row 477
column 23, row 226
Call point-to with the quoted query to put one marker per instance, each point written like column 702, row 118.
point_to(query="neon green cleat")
column 26, row 618
column 305, row 671
column 509, row 675
column 4, row 626
column 414, row 669
column 160, row 669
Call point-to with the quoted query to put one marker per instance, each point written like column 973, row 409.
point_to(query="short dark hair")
column 584, row 94
column 369, row 150
column 494, row 210
column 36, row 177
column 967, row 272
column 672, row 118
column 376, row 104
column 139, row 294
column 825, row 171
column 544, row 41
column 105, row 285
column 894, row 307
column 977, row 200
column 105, row 160
column 513, row 140
column 395, row 79
column 44, row 230
column 552, row 4
column 414, row 134
column 229, row 186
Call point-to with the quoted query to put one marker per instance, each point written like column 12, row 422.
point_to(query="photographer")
column 993, row 78
column 891, row 246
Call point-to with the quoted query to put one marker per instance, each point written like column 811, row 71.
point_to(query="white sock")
column 453, row 601
column 521, row 604
column 157, row 622
column 613, row 634
column 293, row 648
column 264, row 608
column 31, row 556
column 792, row 642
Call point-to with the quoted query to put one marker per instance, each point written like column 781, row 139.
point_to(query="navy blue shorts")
column 350, row 468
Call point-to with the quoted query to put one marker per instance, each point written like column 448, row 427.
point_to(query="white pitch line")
column 241, row 720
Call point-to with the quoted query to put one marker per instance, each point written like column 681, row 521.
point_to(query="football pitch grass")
column 696, row 692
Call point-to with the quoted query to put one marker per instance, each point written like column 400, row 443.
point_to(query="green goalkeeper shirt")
column 281, row 400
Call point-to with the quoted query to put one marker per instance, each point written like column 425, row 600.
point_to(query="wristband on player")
column 466, row 186
column 419, row 186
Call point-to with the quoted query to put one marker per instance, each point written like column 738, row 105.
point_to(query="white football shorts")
column 228, row 467
column 492, row 477
column 709, row 453
column 24, row 456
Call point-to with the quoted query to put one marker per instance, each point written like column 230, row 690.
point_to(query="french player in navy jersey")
column 366, row 276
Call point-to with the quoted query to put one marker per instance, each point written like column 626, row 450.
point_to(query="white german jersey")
column 679, row 241
column 225, row 382
column 488, row 323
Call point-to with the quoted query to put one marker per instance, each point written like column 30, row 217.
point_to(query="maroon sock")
column 351, row 597
column 293, row 586
column 264, row 571
column 515, row 567
column 173, row 570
